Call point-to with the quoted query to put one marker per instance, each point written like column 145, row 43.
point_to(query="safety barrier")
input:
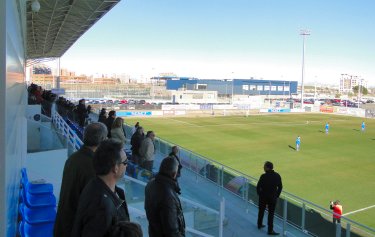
column 307, row 216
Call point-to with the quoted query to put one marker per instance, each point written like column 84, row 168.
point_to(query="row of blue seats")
column 37, row 208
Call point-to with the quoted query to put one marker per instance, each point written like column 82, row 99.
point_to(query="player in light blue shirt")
column 327, row 128
column 363, row 126
column 298, row 143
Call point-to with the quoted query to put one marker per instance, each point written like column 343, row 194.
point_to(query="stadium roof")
column 59, row 24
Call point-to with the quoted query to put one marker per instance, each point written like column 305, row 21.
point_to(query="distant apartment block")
column 347, row 82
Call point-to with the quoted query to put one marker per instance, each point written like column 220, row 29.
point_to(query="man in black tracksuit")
column 268, row 188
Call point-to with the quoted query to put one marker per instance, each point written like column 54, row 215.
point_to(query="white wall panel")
column 12, row 110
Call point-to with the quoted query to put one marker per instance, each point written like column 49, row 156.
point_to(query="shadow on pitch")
column 356, row 129
column 321, row 131
column 293, row 148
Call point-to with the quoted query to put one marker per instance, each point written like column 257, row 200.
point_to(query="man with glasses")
column 102, row 204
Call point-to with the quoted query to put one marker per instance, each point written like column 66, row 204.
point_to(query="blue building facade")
column 239, row 86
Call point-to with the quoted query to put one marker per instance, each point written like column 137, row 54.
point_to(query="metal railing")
column 310, row 218
column 75, row 142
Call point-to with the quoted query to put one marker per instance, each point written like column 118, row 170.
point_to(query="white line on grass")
column 363, row 209
column 239, row 124
column 191, row 124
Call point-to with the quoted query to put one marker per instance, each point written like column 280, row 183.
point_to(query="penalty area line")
column 359, row 210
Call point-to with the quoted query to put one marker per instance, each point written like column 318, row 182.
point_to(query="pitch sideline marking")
column 191, row 124
column 359, row 210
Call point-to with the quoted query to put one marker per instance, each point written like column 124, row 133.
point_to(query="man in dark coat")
column 109, row 121
column 162, row 204
column 82, row 112
column 102, row 204
column 78, row 171
column 136, row 141
column 102, row 116
column 268, row 188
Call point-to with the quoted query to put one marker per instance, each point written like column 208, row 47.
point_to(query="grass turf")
column 340, row 165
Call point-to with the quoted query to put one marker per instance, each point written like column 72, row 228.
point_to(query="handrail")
column 250, row 178
column 182, row 198
column 188, row 229
column 71, row 136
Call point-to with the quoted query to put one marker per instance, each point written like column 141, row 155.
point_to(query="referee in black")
column 268, row 188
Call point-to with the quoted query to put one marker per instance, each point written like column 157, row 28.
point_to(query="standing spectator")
column 363, row 126
column 89, row 108
column 337, row 211
column 327, row 127
column 117, row 132
column 136, row 142
column 268, row 188
column 298, row 143
column 162, row 204
column 147, row 151
column 102, row 204
column 134, row 129
column 102, row 116
column 109, row 121
column 81, row 112
column 78, row 171
column 174, row 154
column 38, row 94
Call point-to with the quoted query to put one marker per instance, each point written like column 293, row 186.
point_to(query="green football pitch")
column 339, row 165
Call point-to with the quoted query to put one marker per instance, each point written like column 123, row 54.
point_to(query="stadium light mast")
column 304, row 33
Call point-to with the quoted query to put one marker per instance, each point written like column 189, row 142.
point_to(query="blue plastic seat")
column 37, row 187
column 38, row 215
column 36, row 230
column 38, row 201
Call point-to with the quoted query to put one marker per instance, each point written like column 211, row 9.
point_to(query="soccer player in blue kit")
column 298, row 143
column 327, row 128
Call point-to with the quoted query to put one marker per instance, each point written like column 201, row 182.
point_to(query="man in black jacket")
column 102, row 204
column 268, row 188
column 78, row 171
column 82, row 112
column 162, row 204
column 136, row 141
column 109, row 121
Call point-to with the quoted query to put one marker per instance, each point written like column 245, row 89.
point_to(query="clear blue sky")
column 231, row 38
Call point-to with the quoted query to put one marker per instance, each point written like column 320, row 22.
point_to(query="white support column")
column 285, row 216
column 303, row 216
column 338, row 229
column 347, row 230
column 222, row 215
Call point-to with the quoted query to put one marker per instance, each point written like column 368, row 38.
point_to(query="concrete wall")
column 12, row 110
column 54, row 160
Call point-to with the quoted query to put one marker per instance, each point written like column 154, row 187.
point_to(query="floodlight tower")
column 304, row 33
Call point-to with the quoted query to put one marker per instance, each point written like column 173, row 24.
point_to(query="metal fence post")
column 196, row 167
column 285, row 209
column 347, row 230
column 338, row 229
column 221, row 217
column 303, row 216
column 222, row 177
column 218, row 181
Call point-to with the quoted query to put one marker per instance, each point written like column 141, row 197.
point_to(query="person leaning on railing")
column 337, row 211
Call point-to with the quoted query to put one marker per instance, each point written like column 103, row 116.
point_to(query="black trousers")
column 271, row 203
